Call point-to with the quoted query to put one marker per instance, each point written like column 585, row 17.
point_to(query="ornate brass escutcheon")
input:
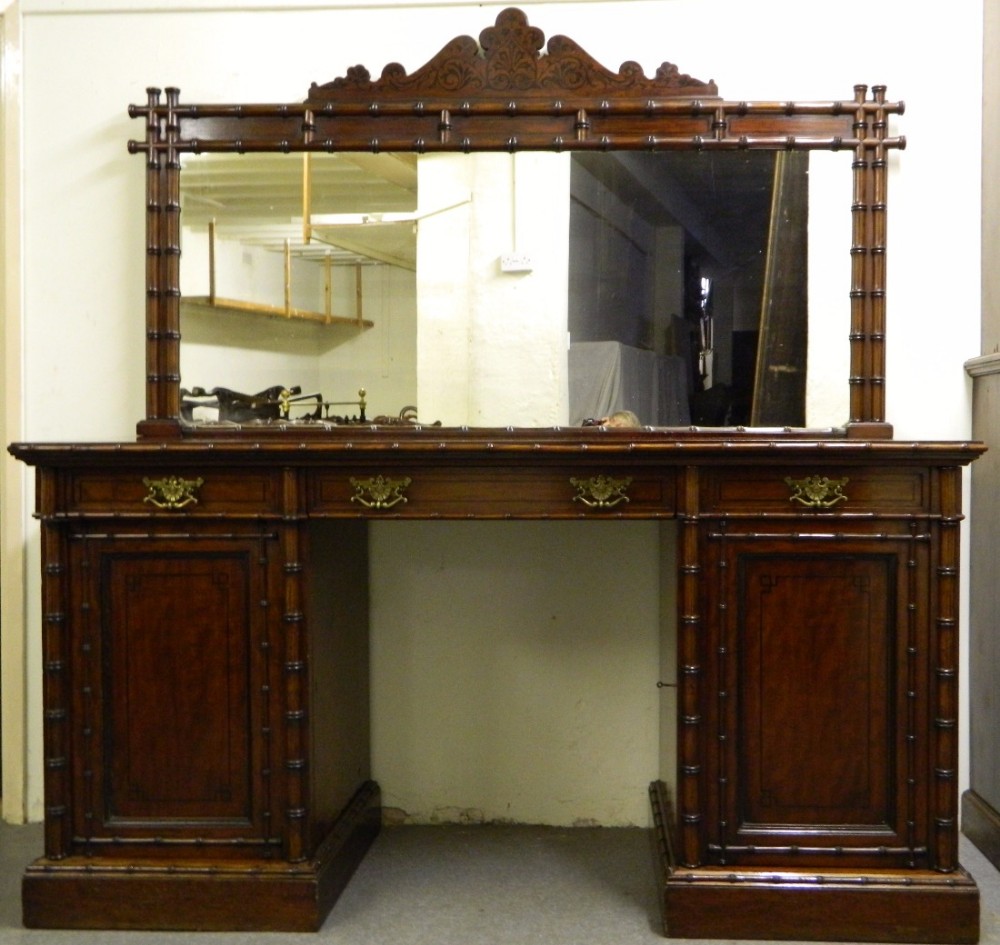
column 172, row 492
column 379, row 492
column 817, row 492
column 601, row 492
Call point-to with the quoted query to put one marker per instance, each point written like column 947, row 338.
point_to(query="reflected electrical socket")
column 516, row 262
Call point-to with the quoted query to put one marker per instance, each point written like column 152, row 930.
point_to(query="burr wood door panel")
column 815, row 703
column 173, row 691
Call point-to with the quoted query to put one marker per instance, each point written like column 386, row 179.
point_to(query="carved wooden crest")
column 509, row 60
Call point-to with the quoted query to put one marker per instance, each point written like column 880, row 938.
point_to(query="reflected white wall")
column 492, row 340
column 829, row 279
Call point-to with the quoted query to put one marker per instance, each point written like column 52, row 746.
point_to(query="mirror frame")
column 511, row 92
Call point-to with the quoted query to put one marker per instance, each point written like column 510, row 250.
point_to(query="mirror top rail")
column 556, row 126
column 511, row 90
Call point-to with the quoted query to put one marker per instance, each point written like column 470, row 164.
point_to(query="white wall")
column 74, row 245
column 492, row 344
column 513, row 690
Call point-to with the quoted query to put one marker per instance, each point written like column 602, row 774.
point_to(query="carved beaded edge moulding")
column 509, row 57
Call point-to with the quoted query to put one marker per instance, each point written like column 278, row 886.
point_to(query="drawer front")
column 196, row 492
column 491, row 492
column 775, row 489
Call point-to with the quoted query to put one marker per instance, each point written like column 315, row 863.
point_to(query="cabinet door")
column 172, row 705
column 816, row 703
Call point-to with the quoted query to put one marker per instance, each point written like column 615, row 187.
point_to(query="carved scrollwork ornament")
column 512, row 57
column 379, row 492
column 601, row 492
column 172, row 492
column 817, row 492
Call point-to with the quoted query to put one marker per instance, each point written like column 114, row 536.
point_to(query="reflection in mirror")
column 677, row 272
column 288, row 265
column 528, row 289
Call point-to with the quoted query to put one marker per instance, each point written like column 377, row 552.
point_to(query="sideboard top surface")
column 429, row 446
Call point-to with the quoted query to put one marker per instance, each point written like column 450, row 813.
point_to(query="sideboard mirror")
column 538, row 239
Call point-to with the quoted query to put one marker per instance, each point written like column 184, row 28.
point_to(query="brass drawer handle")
column 601, row 492
column 172, row 492
column 379, row 492
column 817, row 492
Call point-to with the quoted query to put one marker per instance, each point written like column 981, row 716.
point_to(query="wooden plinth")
column 821, row 906
column 101, row 893
column 834, row 905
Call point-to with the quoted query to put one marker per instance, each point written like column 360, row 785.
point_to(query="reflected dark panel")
column 780, row 378
column 691, row 256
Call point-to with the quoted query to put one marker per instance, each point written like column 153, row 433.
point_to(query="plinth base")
column 821, row 906
column 813, row 904
column 257, row 895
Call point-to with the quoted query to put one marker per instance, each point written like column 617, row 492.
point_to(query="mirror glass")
column 496, row 289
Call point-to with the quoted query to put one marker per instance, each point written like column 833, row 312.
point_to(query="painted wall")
column 491, row 344
column 475, row 707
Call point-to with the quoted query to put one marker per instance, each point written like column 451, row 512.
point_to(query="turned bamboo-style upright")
column 868, row 256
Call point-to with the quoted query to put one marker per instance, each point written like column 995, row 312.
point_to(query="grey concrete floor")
column 462, row 885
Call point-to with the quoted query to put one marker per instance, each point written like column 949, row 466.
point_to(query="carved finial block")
column 511, row 58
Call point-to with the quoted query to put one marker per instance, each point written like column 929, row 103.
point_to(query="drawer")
column 189, row 491
column 762, row 489
column 494, row 492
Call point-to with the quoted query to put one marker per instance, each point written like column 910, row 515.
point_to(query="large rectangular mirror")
column 502, row 290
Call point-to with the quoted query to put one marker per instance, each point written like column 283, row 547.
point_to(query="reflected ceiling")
column 356, row 207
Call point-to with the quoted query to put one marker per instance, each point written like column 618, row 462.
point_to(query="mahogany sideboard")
column 205, row 602
column 206, row 682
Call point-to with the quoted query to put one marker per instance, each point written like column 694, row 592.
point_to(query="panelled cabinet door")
column 170, row 654
column 814, row 711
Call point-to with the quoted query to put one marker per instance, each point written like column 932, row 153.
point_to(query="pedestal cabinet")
column 821, row 737
column 206, row 681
